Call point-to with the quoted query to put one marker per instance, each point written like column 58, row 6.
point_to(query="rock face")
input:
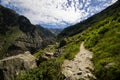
column 17, row 34
column 11, row 67
column 81, row 67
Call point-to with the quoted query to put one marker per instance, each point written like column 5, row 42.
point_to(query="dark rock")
column 79, row 73
column 62, row 43
column 48, row 54
column 41, row 59
column 45, row 57
column 58, row 53
column 90, row 69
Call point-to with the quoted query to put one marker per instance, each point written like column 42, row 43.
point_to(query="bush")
column 62, row 43
column 49, row 70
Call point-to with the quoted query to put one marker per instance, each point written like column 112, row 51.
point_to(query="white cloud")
column 113, row 1
column 53, row 11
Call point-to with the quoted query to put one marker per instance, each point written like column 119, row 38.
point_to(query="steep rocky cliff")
column 17, row 34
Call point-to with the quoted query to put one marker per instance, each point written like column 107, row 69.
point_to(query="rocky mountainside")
column 17, row 34
column 55, row 31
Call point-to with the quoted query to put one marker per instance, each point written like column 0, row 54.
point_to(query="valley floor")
column 81, row 67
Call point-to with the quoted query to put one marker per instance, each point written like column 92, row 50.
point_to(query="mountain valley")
column 88, row 50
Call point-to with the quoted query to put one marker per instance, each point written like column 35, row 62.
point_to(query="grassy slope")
column 7, row 39
column 80, row 27
column 103, row 38
column 101, row 35
column 51, row 70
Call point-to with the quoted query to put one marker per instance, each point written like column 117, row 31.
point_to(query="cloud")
column 56, row 12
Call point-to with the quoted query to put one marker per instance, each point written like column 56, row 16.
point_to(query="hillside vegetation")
column 103, row 38
column 83, row 25
column 51, row 69
column 101, row 34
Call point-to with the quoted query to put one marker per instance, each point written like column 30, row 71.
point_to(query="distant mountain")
column 55, row 31
column 18, row 35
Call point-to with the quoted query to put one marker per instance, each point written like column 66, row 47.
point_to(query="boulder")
column 10, row 67
column 109, row 65
column 49, row 54
column 45, row 57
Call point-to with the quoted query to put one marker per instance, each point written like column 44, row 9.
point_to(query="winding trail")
column 81, row 67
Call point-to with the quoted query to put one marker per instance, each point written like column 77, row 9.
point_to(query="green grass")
column 7, row 39
column 49, row 48
column 48, row 70
column 51, row 69
column 104, row 41
column 71, row 49
column 101, row 34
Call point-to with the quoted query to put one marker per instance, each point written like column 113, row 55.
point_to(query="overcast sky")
column 57, row 13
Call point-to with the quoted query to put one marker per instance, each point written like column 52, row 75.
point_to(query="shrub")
column 49, row 70
column 62, row 43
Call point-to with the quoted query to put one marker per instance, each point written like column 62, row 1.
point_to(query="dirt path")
column 81, row 67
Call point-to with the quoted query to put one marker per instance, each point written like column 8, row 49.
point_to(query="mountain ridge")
column 76, row 29
column 19, row 35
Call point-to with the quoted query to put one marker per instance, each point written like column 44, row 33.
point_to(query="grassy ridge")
column 83, row 25
column 104, row 40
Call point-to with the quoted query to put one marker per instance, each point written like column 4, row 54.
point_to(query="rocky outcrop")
column 17, row 34
column 81, row 67
column 10, row 67
column 44, row 57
